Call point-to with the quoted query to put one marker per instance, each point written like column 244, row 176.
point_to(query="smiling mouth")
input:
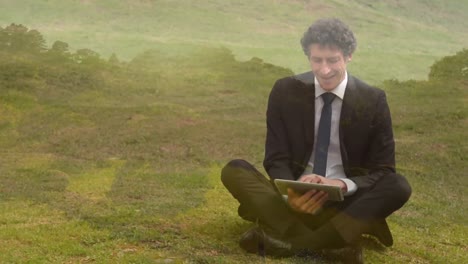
column 327, row 78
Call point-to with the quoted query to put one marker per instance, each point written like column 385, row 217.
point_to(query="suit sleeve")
column 380, row 157
column 277, row 152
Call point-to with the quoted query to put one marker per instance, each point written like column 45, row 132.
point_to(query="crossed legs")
column 259, row 202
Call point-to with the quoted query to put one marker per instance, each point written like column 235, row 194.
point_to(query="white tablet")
column 334, row 192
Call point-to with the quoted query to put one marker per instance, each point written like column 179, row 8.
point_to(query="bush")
column 453, row 68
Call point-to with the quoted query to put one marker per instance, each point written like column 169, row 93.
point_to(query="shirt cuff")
column 350, row 186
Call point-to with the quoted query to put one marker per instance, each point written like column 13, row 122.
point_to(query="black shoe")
column 348, row 255
column 256, row 241
column 380, row 230
column 353, row 255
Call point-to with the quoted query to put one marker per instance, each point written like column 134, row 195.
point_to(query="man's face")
column 328, row 65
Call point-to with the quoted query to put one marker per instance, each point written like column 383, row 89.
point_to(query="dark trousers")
column 260, row 202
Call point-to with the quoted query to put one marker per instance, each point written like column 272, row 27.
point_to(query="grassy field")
column 122, row 165
column 130, row 173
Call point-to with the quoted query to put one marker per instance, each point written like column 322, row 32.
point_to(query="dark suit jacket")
column 365, row 130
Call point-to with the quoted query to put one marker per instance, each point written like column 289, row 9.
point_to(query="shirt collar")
column 339, row 91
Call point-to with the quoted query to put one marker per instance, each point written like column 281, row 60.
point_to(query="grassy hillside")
column 111, row 162
column 403, row 38
column 118, row 162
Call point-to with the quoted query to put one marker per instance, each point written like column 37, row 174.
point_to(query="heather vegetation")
column 106, row 160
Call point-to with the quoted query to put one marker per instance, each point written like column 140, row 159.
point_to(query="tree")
column 17, row 37
column 86, row 56
column 59, row 47
column 35, row 42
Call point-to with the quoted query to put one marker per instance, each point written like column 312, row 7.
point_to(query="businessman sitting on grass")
column 327, row 127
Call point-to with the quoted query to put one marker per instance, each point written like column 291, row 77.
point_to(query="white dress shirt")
column 335, row 168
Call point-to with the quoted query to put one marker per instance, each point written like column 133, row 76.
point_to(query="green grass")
column 129, row 175
column 122, row 165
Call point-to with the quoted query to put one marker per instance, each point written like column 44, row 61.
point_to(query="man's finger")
column 311, row 178
column 316, row 202
column 306, row 196
column 313, row 200
column 291, row 193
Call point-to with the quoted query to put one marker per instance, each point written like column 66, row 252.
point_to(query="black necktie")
column 323, row 136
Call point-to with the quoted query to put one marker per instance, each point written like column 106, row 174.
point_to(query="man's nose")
column 325, row 69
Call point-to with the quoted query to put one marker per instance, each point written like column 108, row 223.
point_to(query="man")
column 326, row 127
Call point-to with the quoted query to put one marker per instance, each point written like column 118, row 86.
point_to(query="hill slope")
column 408, row 37
column 110, row 162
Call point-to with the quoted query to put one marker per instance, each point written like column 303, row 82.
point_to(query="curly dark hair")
column 329, row 32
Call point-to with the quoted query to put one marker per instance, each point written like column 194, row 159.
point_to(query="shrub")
column 453, row 68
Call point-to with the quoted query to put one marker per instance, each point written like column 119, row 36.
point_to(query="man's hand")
column 312, row 201
column 314, row 178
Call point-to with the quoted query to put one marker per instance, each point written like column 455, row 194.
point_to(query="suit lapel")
column 307, row 79
column 309, row 115
column 347, row 110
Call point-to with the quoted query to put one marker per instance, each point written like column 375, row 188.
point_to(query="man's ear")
column 349, row 57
